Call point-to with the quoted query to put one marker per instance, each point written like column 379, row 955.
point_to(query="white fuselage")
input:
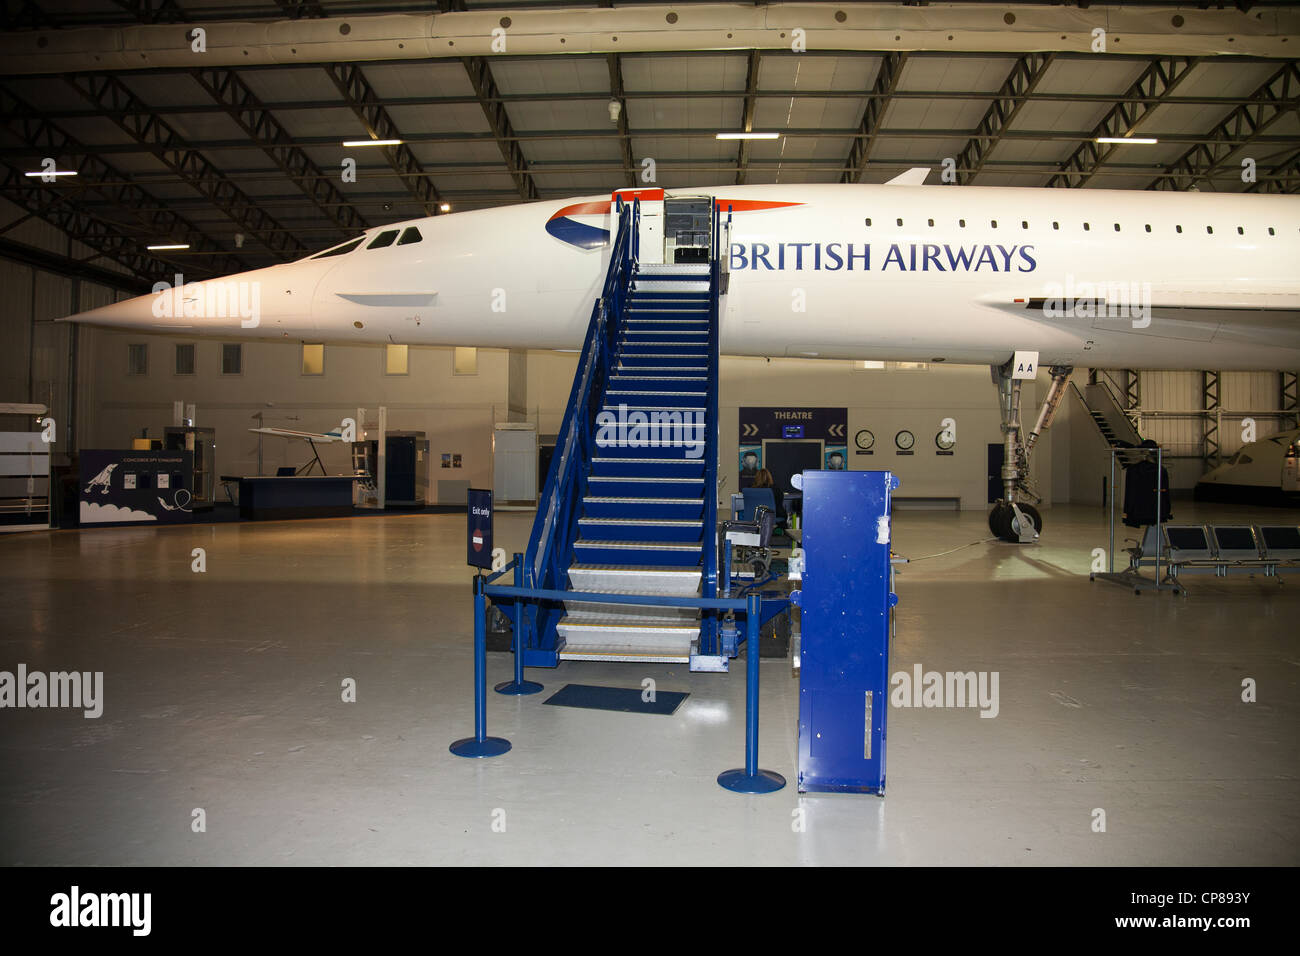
column 911, row 273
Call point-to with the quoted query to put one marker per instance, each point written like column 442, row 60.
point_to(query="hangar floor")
column 222, row 692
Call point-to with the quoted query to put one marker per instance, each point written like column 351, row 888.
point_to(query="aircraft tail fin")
column 913, row 177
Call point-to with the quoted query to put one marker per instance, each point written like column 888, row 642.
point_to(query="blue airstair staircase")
column 630, row 503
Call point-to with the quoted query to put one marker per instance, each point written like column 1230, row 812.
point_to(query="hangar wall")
column 457, row 412
column 882, row 400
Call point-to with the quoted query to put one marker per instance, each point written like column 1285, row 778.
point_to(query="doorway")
column 997, row 455
column 787, row 457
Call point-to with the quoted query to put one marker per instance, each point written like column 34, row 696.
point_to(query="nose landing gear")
column 1013, row 519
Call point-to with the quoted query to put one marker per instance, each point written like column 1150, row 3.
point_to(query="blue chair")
column 757, row 496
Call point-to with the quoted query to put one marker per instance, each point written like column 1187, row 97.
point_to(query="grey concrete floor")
column 222, row 693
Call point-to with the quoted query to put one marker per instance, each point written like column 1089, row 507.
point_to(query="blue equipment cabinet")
column 845, row 605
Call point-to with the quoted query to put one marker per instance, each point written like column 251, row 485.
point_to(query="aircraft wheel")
column 1004, row 522
column 1032, row 514
column 1000, row 522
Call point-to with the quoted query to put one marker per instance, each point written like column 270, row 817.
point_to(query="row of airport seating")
column 1218, row 549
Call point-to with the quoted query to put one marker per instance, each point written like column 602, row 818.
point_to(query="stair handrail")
column 708, row 632
column 557, row 508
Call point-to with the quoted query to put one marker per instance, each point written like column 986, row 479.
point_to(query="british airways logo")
column 902, row 257
column 581, row 224
column 586, row 224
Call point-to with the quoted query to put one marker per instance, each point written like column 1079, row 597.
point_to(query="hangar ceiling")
column 244, row 162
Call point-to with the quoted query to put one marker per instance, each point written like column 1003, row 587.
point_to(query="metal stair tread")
column 656, row 624
column 645, row 461
column 641, row 545
column 655, row 478
column 607, row 499
column 674, row 570
column 647, row 522
column 601, row 652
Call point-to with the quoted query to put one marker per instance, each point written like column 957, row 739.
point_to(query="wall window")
column 396, row 360
column 464, row 361
column 313, row 359
column 137, row 360
column 185, row 358
column 232, row 358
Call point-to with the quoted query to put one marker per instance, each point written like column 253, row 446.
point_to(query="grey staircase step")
column 663, row 308
column 670, row 285
column 661, row 368
column 672, row 268
column 628, row 391
column 655, row 462
column 598, row 636
column 635, row 579
column 665, row 616
column 619, row 377
column 684, row 546
column 622, row 654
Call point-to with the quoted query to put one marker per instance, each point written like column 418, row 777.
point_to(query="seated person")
column 761, row 492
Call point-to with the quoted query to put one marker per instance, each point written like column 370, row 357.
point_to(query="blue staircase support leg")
column 751, row 779
column 519, row 686
column 480, row 745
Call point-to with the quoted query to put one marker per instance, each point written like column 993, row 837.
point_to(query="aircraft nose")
column 129, row 313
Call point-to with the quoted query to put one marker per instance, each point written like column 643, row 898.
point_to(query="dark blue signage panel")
column 478, row 545
column 125, row 487
column 792, row 431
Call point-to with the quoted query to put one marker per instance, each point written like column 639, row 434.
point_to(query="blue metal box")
column 845, row 608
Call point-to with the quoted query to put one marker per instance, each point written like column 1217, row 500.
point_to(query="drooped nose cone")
column 129, row 313
column 280, row 296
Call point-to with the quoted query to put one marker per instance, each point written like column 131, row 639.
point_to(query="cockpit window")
column 410, row 235
column 385, row 238
column 339, row 250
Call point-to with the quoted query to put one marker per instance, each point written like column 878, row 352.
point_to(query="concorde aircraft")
column 899, row 271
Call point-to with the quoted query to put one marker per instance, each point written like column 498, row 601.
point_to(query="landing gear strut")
column 1014, row 517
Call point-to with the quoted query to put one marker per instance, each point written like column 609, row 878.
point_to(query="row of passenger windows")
column 386, row 238
column 1087, row 226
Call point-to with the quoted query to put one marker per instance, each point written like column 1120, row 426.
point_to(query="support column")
column 1290, row 395
column 1211, row 450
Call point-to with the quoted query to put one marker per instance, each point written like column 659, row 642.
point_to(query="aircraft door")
column 651, row 233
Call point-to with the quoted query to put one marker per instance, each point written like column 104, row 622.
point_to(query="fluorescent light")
column 53, row 172
column 1138, row 140
column 177, row 245
column 372, row 142
column 748, row 136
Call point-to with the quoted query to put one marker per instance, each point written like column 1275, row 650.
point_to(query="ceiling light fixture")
column 372, row 142
column 177, row 245
column 53, row 172
column 1135, row 140
column 748, row 136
